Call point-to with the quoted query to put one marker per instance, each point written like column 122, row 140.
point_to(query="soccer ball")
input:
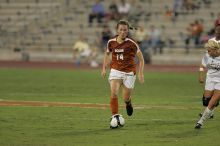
column 117, row 121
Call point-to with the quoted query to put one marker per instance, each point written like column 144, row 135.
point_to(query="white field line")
column 89, row 105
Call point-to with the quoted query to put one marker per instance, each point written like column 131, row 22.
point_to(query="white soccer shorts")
column 212, row 84
column 127, row 78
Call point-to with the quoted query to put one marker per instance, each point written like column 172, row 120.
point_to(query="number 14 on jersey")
column 120, row 57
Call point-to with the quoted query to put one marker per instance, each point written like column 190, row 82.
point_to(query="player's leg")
column 115, row 80
column 128, row 85
column 205, row 100
column 208, row 93
column 211, row 105
column 206, row 114
column 127, row 99
column 206, row 97
column 214, row 100
column 209, row 109
column 115, row 86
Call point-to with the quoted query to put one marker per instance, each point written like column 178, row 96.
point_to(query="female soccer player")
column 123, row 50
column 210, row 62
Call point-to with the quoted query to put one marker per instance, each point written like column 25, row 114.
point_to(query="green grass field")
column 170, row 105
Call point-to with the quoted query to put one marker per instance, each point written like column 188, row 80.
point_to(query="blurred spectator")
column 136, row 11
column 187, row 4
column 98, row 12
column 177, row 6
column 168, row 13
column 189, row 36
column 94, row 55
column 81, row 50
column 191, row 5
column 165, row 39
column 194, row 31
column 211, row 32
column 197, row 31
column 154, row 39
column 146, row 50
column 141, row 36
column 124, row 9
column 106, row 34
column 207, row 3
column 113, row 13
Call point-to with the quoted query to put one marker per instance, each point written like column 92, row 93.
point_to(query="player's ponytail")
column 133, row 28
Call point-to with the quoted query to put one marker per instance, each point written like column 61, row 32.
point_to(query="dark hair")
column 124, row 22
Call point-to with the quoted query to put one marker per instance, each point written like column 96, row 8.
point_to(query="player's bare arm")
column 141, row 67
column 105, row 64
column 201, row 74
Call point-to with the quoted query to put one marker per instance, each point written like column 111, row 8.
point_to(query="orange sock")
column 114, row 105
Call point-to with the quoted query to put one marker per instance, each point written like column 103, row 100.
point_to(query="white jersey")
column 212, row 64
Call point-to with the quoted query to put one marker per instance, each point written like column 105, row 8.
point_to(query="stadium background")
column 46, row 30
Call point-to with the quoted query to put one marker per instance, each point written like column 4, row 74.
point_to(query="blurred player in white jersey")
column 211, row 64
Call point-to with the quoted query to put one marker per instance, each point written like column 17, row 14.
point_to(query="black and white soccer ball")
column 116, row 121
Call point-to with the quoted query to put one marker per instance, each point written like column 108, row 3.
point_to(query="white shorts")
column 212, row 84
column 127, row 78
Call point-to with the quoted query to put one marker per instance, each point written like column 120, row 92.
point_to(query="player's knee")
column 127, row 100
column 205, row 100
column 113, row 95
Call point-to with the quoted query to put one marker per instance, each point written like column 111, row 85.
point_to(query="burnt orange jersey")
column 123, row 54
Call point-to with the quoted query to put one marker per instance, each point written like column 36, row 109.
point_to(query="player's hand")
column 103, row 73
column 201, row 80
column 141, row 78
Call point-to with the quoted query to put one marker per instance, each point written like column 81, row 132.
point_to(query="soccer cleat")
column 129, row 109
column 198, row 126
column 211, row 117
column 114, row 121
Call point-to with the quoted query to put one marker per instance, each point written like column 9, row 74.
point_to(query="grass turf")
column 171, row 101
